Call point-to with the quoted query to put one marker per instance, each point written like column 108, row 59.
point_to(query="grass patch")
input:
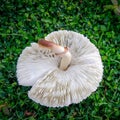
column 23, row 22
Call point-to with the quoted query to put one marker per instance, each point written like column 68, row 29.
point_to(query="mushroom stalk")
column 63, row 52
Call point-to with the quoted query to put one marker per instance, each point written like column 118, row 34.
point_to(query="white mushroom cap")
column 53, row 87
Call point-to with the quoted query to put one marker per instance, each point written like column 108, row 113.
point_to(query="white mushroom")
column 64, row 68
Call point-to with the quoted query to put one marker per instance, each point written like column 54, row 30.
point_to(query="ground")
column 25, row 21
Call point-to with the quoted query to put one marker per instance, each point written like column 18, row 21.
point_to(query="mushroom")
column 63, row 68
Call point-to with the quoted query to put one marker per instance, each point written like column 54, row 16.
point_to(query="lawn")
column 25, row 21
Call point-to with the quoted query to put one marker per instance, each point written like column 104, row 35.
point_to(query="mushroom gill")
column 64, row 70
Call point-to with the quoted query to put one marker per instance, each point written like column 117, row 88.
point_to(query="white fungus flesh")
column 39, row 67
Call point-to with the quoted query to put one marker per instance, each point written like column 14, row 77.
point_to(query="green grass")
column 25, row 21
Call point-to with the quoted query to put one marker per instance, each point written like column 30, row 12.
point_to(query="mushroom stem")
column 63, row 52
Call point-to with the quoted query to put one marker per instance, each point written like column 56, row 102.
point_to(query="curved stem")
column 63, row 52
column 66, row 59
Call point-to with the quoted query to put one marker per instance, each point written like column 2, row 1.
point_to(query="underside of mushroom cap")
column 62, row 88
